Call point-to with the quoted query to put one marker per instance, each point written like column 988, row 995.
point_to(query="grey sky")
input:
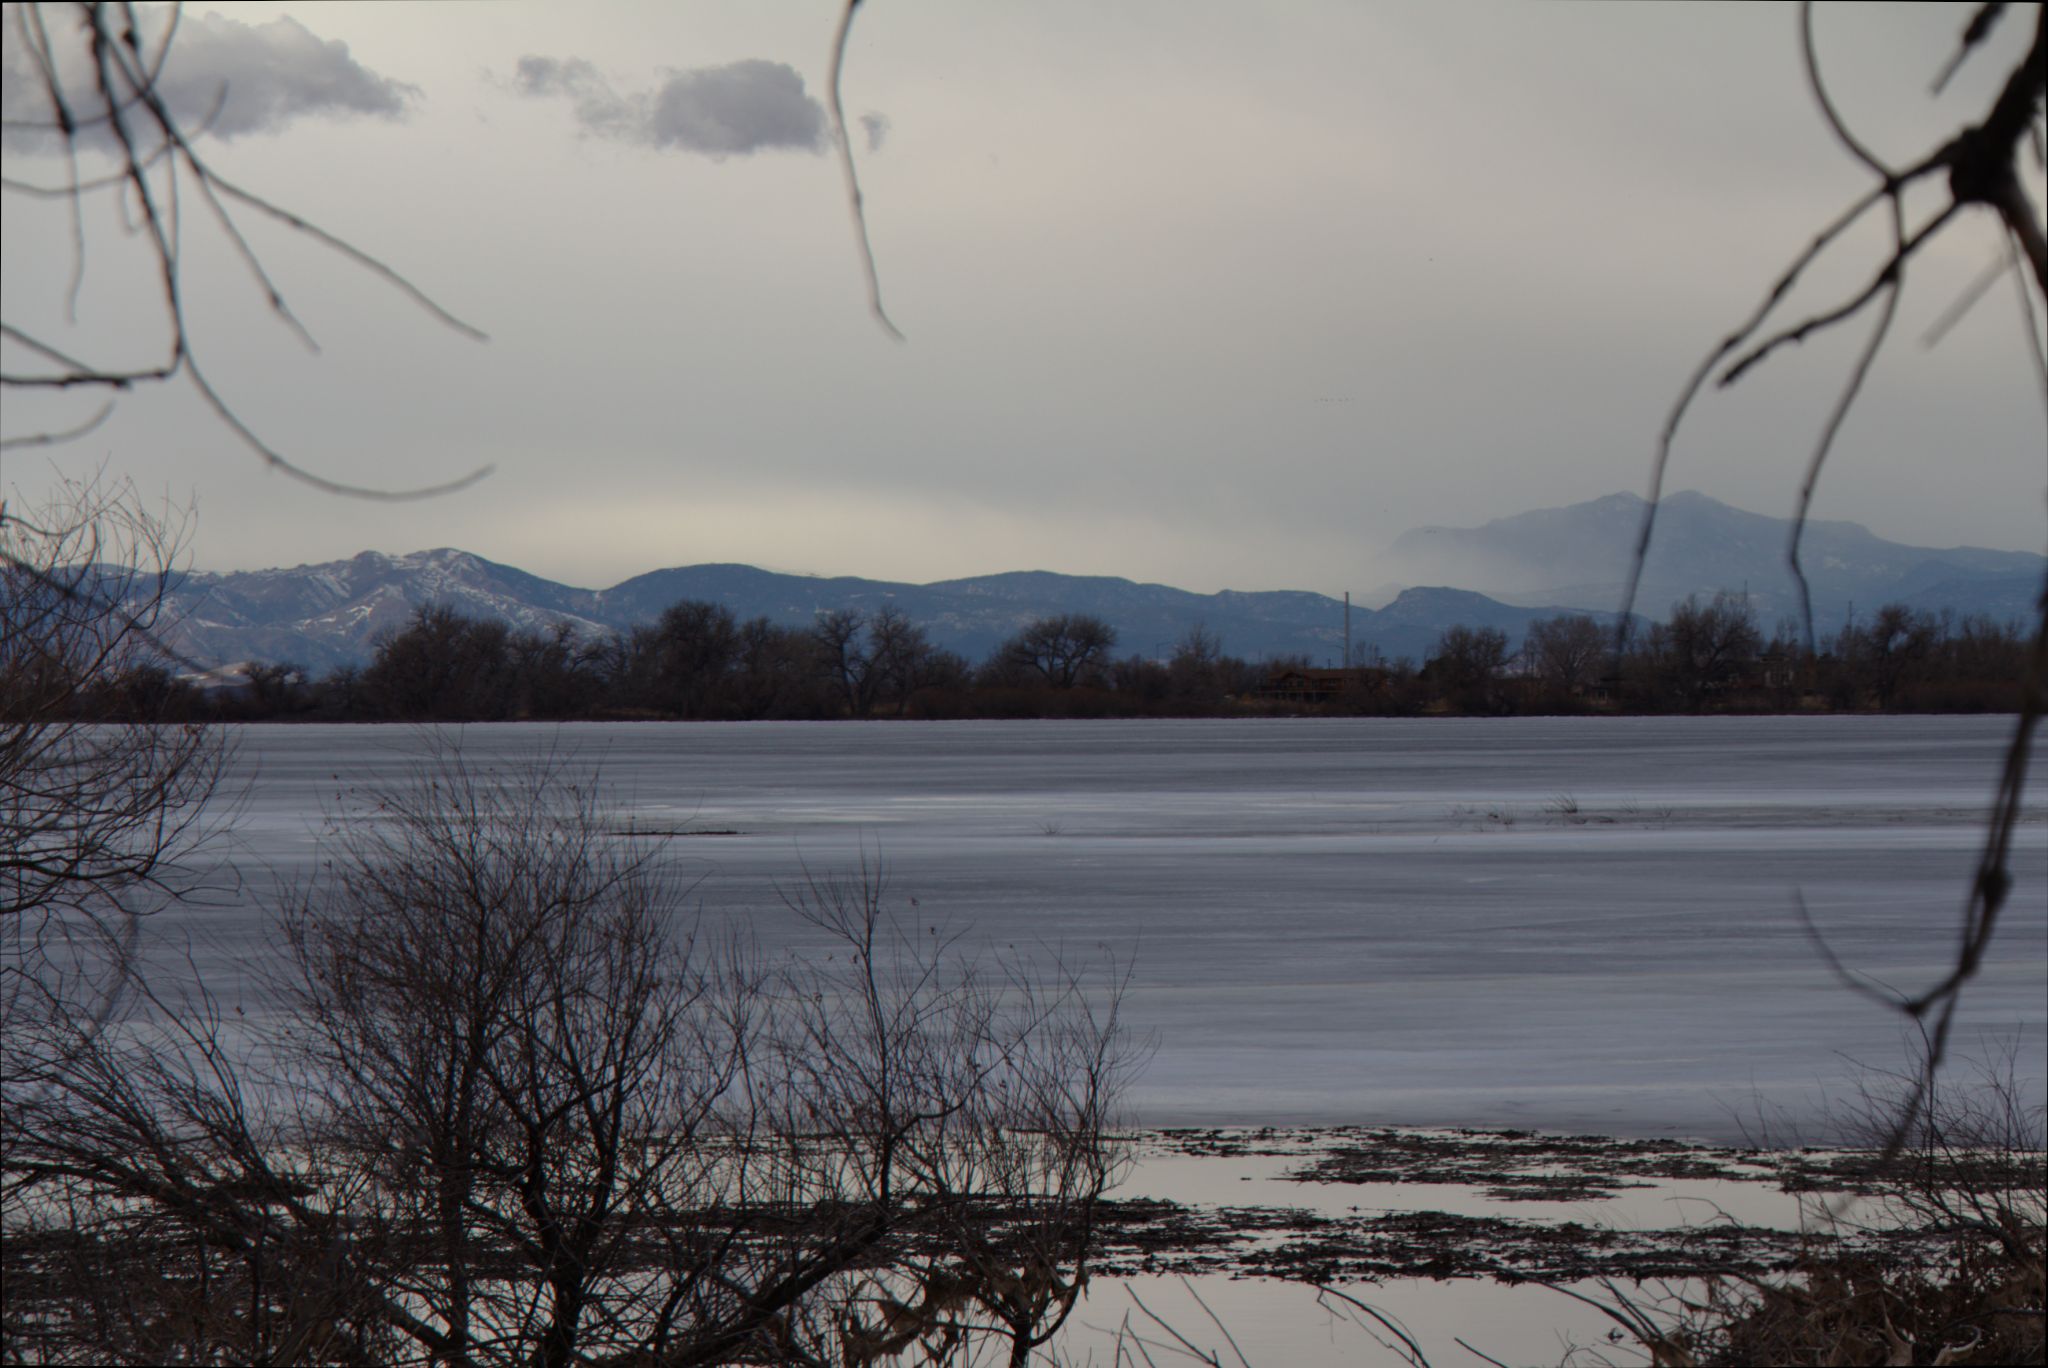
column 1220, row 295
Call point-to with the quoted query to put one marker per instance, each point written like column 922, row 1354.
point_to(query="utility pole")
column 1347, row 629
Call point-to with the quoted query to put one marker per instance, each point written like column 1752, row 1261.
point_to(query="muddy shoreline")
column 1373, row 1204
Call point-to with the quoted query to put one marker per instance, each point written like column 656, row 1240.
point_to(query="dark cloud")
column 233, row 78
column 876, row 126
column 722, row 111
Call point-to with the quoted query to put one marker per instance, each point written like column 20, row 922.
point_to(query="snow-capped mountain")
column 326, row 615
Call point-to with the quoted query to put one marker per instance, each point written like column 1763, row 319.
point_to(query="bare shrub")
column 1935, row 1255
column 511, row 1109
column 102, row 788
column 92, row 817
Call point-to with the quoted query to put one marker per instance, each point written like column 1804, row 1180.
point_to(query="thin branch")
column 1799, row 332
column 1993, row 880
column 1984, row 167
column 1892, row 185
column 58, row 438
column 37, row 37
column 853, row 197
column 249, row 259
column 80, row 373
column 1628, row 1318
column 1188, row 1346
column 127, row 622
column 1860, row 984
column 1982, row 162
column 126, row 81
column 1976, row 31
column 1826, row 444
column 75, row 189
column 2032, row 324
column 347, row 249
column 1827, row 106
column 1728, row 345
column 1988, row 890
column 1477, row 1353
column 1967, row 300
column 1410, row 1347
column 1217, row 1321
column 277, row 461
column 75, row 205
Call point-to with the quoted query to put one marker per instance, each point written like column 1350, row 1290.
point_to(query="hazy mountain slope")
column 1581, row 554
column 1410, row 625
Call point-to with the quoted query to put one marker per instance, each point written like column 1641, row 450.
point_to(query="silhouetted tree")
column 554, row 674
column 1567, row 652
column 1063, row 650
column 1196, row 666
column 1896, row 642
column 1145, row 684
column 1466, row 664
column 277, row 688
column 442, row 667
column 678, row 664
column 1703, row 648
column 873, row 657
column 780, row 672
column 898, row 650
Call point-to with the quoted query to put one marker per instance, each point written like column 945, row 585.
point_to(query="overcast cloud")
column 223, row 75
column 723, row 111
column 1215, row 294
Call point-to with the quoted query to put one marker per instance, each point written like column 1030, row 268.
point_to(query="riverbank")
column 1310, row 1245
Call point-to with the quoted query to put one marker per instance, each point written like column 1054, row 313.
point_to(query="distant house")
column 1302, row 684
column 1777, row 668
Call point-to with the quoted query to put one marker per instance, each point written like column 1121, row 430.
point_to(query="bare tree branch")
column 1819, row 88
column 1981, row 163
column 71, row 434
column 1843, row 402
column 853, row 197
column 1887, row 278
column 1982, row 22
column 125, row 103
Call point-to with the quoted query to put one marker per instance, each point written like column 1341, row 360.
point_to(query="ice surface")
column 1579, row 924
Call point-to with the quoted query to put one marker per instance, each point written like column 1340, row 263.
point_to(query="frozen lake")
column 1561, row 923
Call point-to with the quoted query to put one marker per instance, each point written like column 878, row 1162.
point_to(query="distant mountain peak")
column 1582, row 554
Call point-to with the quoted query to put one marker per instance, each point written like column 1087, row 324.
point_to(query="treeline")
column 698, row 662
column 1713, row 657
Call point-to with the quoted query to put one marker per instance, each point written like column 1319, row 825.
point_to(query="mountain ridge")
column 1540, row 562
